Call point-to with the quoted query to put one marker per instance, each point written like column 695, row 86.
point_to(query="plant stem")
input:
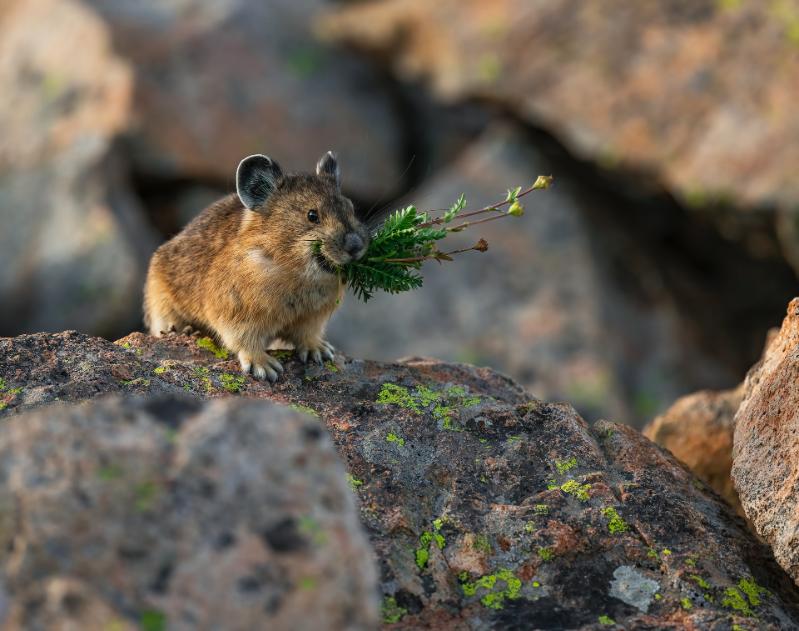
column 481, row 246
column 466, row 224
column 485, row 209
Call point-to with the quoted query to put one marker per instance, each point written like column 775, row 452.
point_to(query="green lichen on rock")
column 574, row 488
column 606, row 621
column 700, row 581
column 110, row 472
column 422, row 553
column 564, row 466
column 232, row 383
column 311, row 528
column 616, row 524
column 204, row 375
column 391, row 611
column 304, row 409
column 442, row 405
column 752, row 590
column 152, row 620
column 331, row 367
column 207, row 344
column 7, row 393
column 160, row 370
column 354, row 482
column 146, row 496
column 392, row 394
column 138, row 381
column 495, row 588
column 281, row 355
column 744, row 598
column 546, row 554
column 541, row 509
column 482, row 544
column 686, row 604
column 391, row 437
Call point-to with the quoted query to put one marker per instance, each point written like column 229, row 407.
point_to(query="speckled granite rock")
column 174, row 513
column 698, row 429
column 487, row 508
column 765, row 452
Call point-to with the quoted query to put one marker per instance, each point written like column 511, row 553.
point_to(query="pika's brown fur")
column 248, row 270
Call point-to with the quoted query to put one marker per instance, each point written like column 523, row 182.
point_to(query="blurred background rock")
column 654, row 267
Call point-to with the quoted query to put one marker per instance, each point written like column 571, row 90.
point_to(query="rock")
column 485, row 506
column 545, row 304
column 74, row 245
column 216, row 81
column 698, row 429
column 676, row 88
column 176, row 513
column 765, row 460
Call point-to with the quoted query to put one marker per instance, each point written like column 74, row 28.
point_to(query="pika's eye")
column 313, row 216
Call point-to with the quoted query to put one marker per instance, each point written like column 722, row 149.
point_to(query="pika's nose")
column 353, row 245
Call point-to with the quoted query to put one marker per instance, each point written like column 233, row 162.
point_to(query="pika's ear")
column 328, row 167
column 256, row 179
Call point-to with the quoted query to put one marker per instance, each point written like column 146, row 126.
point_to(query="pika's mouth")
column 325, row 263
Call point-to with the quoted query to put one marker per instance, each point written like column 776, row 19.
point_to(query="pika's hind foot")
column 262, row 367
column 324, row 350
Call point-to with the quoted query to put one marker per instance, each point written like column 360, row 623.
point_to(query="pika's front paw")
column 265, row 367
column 324, row 350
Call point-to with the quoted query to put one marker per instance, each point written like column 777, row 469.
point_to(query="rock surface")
column 486, row 507
column 698, row 429
column 543, row 305
column 216, row 81
column 74, row 242
column 766, row 454
column 673, row 87
column 174, row 513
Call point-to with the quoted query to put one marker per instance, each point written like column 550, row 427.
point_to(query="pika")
column 260, row 265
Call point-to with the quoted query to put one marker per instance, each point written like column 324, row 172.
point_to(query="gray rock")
column 226, row 515
column 74, row 245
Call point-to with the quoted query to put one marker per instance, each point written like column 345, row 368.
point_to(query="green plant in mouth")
column 408, row 238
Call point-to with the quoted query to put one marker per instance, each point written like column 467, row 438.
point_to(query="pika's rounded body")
column 260, row 265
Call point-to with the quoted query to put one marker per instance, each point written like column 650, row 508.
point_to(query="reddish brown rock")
column 766, row 454
column 174, row 513
column 485, row 507
column 698, row 429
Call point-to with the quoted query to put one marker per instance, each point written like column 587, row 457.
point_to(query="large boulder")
column 698, row 429
column 546, row 303
column 486, row 507
column 700, row 92
column 74, row 245
column 174, row 513
column 766, row 454
column 217, row 80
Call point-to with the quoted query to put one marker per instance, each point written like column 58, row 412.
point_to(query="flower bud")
column 516, row 209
